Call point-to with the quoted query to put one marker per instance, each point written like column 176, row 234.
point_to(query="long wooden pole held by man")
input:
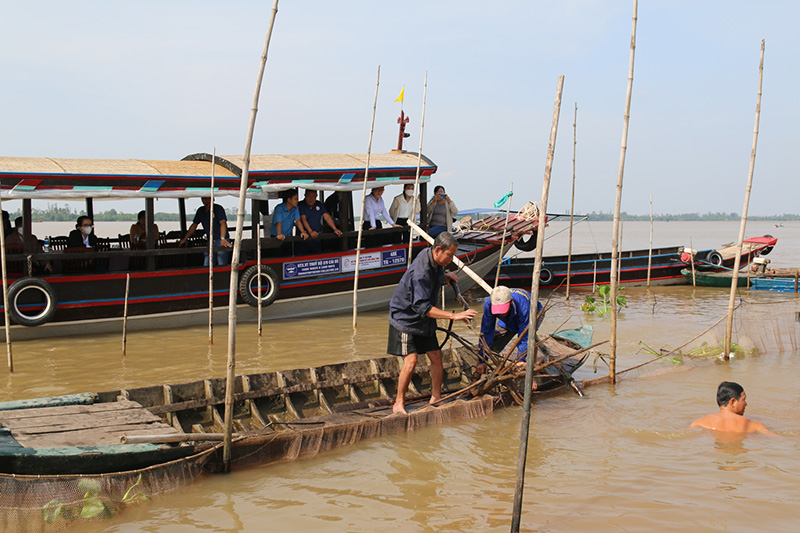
column 237, row 246
column 738, row 260
column 612, row 364
column 537, row 271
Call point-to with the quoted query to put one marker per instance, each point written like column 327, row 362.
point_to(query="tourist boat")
column 169, row 285
column 159, row 437
column 588, row 270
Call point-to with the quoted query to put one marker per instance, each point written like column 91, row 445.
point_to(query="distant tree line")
column 694, row 217
column 56, row 213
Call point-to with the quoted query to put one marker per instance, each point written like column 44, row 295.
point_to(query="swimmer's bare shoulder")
column 731, row 424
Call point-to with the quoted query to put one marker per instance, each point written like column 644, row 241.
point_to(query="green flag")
column 501, row 202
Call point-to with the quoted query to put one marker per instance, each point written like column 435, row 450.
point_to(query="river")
column 621, row 459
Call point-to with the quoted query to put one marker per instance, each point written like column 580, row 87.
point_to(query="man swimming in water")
column 731, row 399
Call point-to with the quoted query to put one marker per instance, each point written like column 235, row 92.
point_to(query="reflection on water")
column 622, row 459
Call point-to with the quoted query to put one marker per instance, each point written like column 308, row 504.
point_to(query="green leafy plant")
column 603, row 305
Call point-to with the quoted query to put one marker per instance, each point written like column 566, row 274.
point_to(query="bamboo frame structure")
column 210, row 238
column 6, row 319
column 531, row 359
column 237, row 245
column 738, row 260
column 363, row 201
column 415, row 197
column 572, row 202
column 612, row 364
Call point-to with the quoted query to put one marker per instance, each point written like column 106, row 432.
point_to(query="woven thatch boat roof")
column 48, row 178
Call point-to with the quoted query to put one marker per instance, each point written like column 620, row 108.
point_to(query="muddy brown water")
column 622, row 459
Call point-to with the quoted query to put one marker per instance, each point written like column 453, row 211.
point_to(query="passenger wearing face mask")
column 83, row 235
column 401, row 209
column 28, row 243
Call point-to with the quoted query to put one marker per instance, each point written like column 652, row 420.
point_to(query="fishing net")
column 760, row 325
column 46, row 503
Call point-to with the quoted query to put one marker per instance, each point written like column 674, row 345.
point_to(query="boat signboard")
column 338, row 265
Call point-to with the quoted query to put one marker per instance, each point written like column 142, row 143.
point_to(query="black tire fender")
column 545, row 277
column 22, row 286
column 248, row 289
column 526, row 245
column 768, row 249
column 715, row 258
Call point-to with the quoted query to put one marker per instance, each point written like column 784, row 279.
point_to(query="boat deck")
column 99, row 424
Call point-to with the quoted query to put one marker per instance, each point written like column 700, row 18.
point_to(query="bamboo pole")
column 6, row 319
column 125, row 315
column 211, row 253
column 537, row 270
column 612, row 366
column 237, row 245
column 572, row 202
column 503, row 240
column 257, row 221
column 415, row 198
column 594, row 278
column 363, row 201
column 738, row 260
column 650, row 253
column 691, row 258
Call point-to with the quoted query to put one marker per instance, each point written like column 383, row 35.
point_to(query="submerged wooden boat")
column 713, row 279
column 169, row 285
column 48, row 446
column 592, row 269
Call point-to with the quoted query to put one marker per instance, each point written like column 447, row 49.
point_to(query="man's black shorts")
column 405, row 343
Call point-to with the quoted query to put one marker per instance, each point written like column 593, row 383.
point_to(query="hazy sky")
column 163, row 79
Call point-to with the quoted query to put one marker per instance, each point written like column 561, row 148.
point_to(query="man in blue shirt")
column 201, row 217
column 505, row 314
column 286, row 216
column 312, row 213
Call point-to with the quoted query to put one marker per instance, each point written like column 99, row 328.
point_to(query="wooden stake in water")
column 257, row 221
column 572, row 202
column 125, row 316
column 211, row 252
column 237, row 246
column 6, row 320
column 650, row 253
column 415, row 199
column 738, row 260
column 363, row 201
column 691, row 258
column 612, row 366
column 503, row 240
column 531, row 359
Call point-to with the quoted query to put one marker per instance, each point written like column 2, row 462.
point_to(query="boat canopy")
column 60, row 179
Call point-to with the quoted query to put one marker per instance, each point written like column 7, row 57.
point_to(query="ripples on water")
column 622, row 459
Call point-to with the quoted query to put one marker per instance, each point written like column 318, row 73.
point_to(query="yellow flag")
column 402, row 93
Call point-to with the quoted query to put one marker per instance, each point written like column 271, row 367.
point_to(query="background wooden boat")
column 714, row 279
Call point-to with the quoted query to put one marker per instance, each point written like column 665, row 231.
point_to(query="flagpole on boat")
column 211, row 252
column 416, row 199
column 537, row 271
column 503, row 240
column 572, row 203
column 6, row 321
column 650, row 253
column 612, row 365
column 237, row 245
column 738, row 261
column 363, row 201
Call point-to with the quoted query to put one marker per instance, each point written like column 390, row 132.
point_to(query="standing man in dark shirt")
column 412, row 315
column 312, row 213
column 220, row 233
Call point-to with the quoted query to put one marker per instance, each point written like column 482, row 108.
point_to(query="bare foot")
column 399, row 408
column 435, row 400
